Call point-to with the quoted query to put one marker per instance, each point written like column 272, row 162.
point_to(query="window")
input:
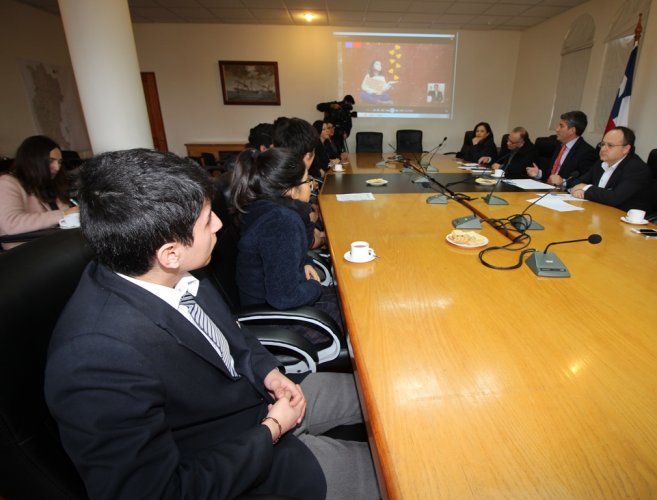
column 575, row 55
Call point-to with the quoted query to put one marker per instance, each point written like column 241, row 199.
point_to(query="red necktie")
column 557, row 162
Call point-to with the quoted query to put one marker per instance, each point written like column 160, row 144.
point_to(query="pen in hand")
column 74, row 201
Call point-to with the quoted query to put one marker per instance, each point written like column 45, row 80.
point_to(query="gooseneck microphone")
column 593, row 239
column 433, row 153
column 549, row 265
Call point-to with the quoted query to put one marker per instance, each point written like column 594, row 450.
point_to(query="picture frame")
column 250, row 83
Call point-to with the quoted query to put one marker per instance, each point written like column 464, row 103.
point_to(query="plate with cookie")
column 485, row 181
column 466, row 239
column 376, row 182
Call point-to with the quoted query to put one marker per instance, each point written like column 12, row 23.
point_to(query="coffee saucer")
column 68, row 226
column 370, row 258
column 628, row 221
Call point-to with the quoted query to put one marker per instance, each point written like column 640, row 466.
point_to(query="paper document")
column 556, row 202
column 355, row 197
column 528, row 184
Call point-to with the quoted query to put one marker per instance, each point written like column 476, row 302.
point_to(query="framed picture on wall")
column 250, row 82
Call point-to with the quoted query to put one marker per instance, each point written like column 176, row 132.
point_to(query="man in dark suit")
column 515, row 156
column 620, row 179
column 156, row 398
column 574, row 156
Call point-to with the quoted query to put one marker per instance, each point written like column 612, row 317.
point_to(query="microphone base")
column 420, row 180
column 437, row 199
column 547, row 265
column 431, row 169
column 495, row 200
column 381, row 163
column 467, row 222
column 407, row 170
column 521, row 225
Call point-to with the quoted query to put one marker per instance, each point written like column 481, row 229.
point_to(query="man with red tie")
column 574, row 155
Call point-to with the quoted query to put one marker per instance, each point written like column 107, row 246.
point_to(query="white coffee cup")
column 361, row 251
column 70, row 221
column 635, row 215
column 498, row 173
column 338, row 167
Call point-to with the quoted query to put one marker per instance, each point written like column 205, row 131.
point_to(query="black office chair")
column 37, row 280
column 467, row 140
column 409, row 141
column 270, row 325
column 652, row 162
column 369, row 142
column 546, row 147
column 71, row 159
column 505, row 138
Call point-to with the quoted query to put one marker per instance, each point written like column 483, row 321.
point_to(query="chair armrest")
column 306, row 316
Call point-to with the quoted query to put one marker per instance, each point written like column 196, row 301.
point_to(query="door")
column 154, row 111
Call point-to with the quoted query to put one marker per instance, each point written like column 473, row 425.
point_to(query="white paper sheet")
column 355, row 197
column 556, row 202
column 528, row 184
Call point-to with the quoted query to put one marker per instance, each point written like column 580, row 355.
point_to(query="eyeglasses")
column 58, row 160
column 607, row 145
column 309, row 180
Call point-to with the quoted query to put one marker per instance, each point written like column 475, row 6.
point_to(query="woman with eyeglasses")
column 272, row 262
column 33, row 194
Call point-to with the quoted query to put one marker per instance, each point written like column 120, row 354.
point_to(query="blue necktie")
column 210, row 330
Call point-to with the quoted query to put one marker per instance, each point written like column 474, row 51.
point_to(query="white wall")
column 185, row 61
column 538, row 67
column 25, row 34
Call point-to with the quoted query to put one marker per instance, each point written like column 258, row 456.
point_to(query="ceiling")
column 363, row 14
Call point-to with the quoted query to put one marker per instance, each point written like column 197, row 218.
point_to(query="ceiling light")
column 308, row 17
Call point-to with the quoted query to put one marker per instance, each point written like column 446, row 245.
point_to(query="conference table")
column 485, row 383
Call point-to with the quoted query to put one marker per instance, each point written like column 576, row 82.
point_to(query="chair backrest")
column 652, row 162
column 224, row 255
column 409, row 141
column 546, row 146
column 38, row 278
column 209, row 159
column 369, row 142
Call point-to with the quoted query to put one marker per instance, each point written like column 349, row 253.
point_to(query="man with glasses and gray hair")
column 620, row 179
column 515, row 156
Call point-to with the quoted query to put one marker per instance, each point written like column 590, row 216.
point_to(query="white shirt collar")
column 171, row 296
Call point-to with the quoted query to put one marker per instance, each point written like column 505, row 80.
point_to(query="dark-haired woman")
column 272, row 262
column 32, row 194
column 481, row 144
column 323, row 160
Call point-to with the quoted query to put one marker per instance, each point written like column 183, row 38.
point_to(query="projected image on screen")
column 398, row 79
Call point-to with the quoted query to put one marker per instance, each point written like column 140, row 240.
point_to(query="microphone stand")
column 495, row 200
column 547, row 264
column 436, row 199
column 433, row 152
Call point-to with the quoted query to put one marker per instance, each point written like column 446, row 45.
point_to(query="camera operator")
column 339, row 113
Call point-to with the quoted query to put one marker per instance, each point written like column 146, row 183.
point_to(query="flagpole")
column 638, row 30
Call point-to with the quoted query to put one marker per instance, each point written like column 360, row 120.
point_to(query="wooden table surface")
column 484, row 383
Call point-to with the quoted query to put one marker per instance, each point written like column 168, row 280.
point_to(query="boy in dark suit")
column 156, row 398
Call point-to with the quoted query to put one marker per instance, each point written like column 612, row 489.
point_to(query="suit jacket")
column 147, row 409
column 580, row 158
column 515, row 167
column 630, row 186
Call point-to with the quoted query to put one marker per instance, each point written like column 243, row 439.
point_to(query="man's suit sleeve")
column 110, row 407
column 633, row 178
